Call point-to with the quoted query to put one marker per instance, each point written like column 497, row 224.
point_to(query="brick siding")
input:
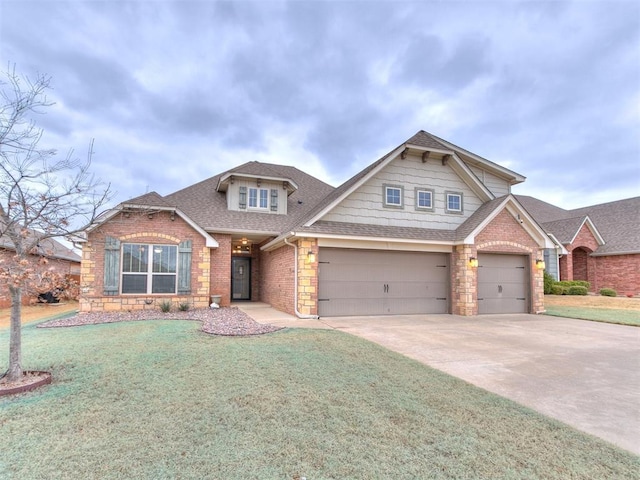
column 620, row 272
column 220, row 269
column 277, row 278
column 578, row 264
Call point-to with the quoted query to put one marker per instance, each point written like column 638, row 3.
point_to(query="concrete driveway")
column 585, row 374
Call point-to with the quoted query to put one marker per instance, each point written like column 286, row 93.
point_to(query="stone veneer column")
column 87, row 277
column 307, row 300
column 464, row 281
column 537, row 277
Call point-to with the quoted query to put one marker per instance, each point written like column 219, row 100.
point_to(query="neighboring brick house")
column 427, row 228
column 599, row 244
column 63, row 260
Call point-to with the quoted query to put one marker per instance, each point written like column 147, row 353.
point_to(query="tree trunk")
column 15, row 342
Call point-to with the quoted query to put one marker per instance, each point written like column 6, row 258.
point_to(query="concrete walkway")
column 585, row 374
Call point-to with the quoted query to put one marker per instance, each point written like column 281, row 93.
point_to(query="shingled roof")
column 617, row 222
column 47, row 247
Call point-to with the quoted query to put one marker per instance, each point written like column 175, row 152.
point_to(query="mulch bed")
column 227, row 321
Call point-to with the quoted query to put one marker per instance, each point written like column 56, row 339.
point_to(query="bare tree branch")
column 41, row 196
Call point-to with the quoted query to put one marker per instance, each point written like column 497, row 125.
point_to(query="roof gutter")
column 295, row 284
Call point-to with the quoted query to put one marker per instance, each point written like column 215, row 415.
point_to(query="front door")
column 240, row 278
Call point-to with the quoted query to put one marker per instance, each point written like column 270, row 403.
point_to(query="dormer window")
column 259, row 198
column 247, row 192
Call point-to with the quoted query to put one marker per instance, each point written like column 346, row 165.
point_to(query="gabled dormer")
column 259, row 192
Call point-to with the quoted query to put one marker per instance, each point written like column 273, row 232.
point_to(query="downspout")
column 295, row 285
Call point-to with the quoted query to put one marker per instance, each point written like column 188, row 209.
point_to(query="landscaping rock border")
column 226, row 321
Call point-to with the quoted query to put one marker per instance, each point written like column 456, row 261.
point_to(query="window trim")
column 419, row 207
column 150, row 273
column 459, row 211
column 385, row 204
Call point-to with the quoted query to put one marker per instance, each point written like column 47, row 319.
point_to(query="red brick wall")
column 139, row 228
column 277, row 278
column 620, row 272
column 221, row 269
column 584, row 239
column 580, row 258
column 64, row 267
column 255, row 274
column 578, row 265
column 505, row 235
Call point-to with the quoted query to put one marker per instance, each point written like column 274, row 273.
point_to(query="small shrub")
column 548, row 283
column 184, row 306
column 557, row 289
column 577, row 290
column 608, row 292
column 165, row 306
column 574, row 283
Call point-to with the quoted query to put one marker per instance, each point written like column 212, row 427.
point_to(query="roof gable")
column 467, row 232
column 615, row 224
column 421, row 143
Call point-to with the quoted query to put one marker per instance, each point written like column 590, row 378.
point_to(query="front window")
column 392, row 196
column 149, row 269
column 258, row 198
column 424, row 199
column 454, row 202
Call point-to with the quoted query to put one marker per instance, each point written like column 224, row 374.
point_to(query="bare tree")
column 41, row 196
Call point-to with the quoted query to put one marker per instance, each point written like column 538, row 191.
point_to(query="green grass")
column 163, row 400
column 608, row 315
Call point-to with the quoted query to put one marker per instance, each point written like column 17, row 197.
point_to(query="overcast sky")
column 176, row 92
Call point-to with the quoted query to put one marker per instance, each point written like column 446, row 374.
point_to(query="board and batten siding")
column 233, row 196
column 496, row 185
column 365, row 205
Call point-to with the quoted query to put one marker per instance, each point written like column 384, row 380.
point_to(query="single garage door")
column 503, row 283
column 374, row 282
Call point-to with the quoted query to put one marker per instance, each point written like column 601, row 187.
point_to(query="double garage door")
column 374, row 282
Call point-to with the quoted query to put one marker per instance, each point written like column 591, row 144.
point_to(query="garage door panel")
column 348, row 307
column 503, row 283
column 350, row 289
column 363, row 282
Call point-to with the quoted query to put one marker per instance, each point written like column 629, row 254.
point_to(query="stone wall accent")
column 134, row 227
column 307, row 277
column 464, row 281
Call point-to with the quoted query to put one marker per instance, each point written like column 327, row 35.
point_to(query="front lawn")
column 161, row 399
column 621, row 310
column 608, row 315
